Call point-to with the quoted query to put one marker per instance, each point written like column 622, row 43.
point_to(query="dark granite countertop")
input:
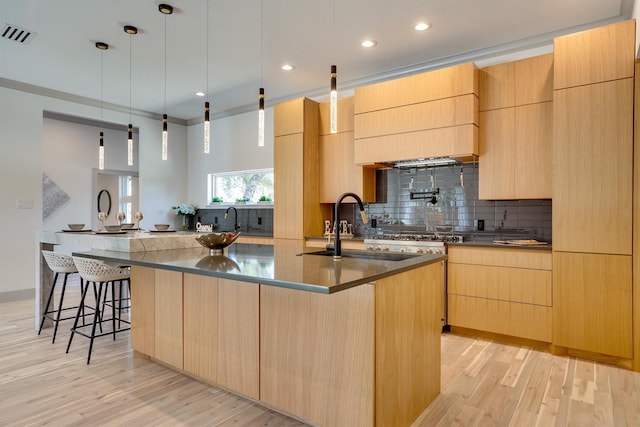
column 276, row 265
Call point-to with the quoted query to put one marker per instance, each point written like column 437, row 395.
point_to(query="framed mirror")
column 104, row 202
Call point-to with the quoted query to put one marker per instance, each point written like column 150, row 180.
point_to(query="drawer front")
column 501, row 283
column 503, row 257
column 508, row 318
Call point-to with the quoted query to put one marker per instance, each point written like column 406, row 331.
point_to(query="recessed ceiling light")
column 422, row 26
column 368, row 43
column 199, row 93
column 288, row 67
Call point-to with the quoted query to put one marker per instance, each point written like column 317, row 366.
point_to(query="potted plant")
column 186, row 210
column 242, row 200
column 216, row 200
column 265, row 200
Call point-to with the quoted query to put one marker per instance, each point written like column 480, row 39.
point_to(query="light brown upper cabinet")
column 297, row 211
column 432, row 114
column 597, row 55
column 527, row 81
column 593, row 168
column 515, row 132
column 338, row 171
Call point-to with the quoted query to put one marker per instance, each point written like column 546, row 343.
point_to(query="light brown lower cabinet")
column 593, row 303
column 221, row 332
column 168, row 317
column 143, row 317
column 369, row 355
column 365, row 356
column 501, row 290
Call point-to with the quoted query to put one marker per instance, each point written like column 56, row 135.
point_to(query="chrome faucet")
column 236, row 226
column 337, row 248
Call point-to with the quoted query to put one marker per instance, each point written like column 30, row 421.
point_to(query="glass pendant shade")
column 165, row 137
column 101, row 152
column 333, row 102
column 261, row 118
column 207, row 128
column 130, row 145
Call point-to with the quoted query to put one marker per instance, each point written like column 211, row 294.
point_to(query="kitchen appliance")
column 418, row 244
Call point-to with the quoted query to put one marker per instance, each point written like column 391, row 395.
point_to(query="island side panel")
column 168, row 318
column 201, row 326
column 239, row 337
column 143, row 310
column 408, row 329
column 317, row 354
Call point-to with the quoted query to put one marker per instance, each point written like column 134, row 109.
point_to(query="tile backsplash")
column 254, row 220
column 457, row 208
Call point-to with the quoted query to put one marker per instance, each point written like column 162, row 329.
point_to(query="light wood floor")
column 484, row 383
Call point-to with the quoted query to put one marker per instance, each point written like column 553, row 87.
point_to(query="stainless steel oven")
column 419, row 244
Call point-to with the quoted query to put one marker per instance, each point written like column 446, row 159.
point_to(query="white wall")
column 162, row 183
column 234, row 147
column 71, row 159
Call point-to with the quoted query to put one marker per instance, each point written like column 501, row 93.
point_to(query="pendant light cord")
column 261, row 41
column 165, row 64
column 207, row 55
column 130, row 77
column 101, row 84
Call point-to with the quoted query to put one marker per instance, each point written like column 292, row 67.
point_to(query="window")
column 126, row 196
column 248, row 186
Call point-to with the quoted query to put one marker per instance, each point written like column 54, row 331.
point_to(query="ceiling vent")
column 17, row 34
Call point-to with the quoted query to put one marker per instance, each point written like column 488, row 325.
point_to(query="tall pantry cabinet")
column 592, row 190
column 297, row 209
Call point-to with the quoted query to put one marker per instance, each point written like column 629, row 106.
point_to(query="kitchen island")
column 125, row 241
column 354, row 342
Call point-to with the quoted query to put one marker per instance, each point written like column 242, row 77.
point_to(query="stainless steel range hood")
column 424, row 162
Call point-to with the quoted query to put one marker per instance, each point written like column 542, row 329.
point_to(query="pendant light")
column 165, row 9
column 207, row 125
column 333, row 95
column 131, row 30
column 333, row 101
column 102, row 47
column 261, row 90
column 261, row 117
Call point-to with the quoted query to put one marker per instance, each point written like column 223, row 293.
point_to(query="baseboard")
column 19, row 295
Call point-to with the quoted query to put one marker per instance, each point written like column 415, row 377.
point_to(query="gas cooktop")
column 420, row 238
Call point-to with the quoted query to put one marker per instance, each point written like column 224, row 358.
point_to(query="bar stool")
column 96, row 271
column 58, row 263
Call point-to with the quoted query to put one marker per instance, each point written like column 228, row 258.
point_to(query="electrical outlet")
column 24, row 204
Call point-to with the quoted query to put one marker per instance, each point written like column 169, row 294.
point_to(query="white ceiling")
column 62, row 56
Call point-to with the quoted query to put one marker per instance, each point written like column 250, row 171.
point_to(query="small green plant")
column 242, row 200
column 216, row 200
column 264, row 199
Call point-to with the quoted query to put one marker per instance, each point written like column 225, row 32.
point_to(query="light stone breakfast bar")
column 354, row 342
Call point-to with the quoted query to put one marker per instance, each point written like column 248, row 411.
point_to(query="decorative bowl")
column 161, row 227
column 126, row 225
column 216, row 242
column 76, row 226
column 112, row 227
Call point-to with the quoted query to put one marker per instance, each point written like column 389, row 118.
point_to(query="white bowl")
column 76, row 226
column 161, row 227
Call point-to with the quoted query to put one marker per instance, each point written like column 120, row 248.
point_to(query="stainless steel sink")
column 381, row 256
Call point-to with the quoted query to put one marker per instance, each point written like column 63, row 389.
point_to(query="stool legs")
column 57, row 321
column 101, row 291
column 46, row 310
column 96, row 319
column 80, row 308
